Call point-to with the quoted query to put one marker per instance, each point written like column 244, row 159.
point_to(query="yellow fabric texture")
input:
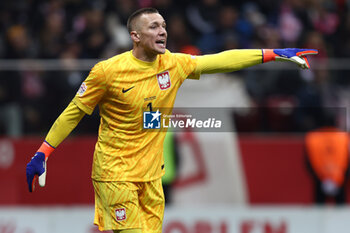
column 129, row 205
column 64, row 124
column 228, row 61
column 124, row 87
column 128, row 231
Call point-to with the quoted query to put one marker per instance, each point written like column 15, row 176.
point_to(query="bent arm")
column 228, row 61
column 64, row 124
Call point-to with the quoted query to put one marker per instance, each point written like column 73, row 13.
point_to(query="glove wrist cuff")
column 46, row 148
column 268, row 55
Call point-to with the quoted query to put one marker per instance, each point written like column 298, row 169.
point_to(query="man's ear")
column 135, row 36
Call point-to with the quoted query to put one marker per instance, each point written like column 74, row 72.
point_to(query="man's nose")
column 163, row 31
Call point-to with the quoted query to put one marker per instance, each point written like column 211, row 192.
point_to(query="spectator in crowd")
column 327, row 154
column 52, row 33
column 31, row 84
column 17, row 46
column 179, row 34
column 94, row 37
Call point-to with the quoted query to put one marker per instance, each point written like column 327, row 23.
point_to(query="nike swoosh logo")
column 125, row 90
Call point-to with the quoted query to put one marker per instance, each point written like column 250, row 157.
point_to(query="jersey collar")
column 143, row 64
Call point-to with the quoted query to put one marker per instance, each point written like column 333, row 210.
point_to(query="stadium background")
column 252, row 179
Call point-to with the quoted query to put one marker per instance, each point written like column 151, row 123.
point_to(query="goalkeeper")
column 128, row 161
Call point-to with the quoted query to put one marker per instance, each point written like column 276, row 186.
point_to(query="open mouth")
column 161, row 42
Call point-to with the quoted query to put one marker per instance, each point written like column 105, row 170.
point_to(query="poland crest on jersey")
column 120, row 214
column 164, row 80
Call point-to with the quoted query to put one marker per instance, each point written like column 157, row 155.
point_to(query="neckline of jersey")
column 144, row 64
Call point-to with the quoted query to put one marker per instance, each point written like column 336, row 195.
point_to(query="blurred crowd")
column 30, row 100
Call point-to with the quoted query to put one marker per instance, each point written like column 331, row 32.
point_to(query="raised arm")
column 62, row 127
column 228, row 61
column 236, row 59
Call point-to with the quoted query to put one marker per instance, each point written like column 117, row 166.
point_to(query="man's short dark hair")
column 138, row 13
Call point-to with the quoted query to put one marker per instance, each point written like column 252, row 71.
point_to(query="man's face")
column 152, row 34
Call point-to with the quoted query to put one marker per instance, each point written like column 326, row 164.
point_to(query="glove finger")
column 32, row 185
column 306, row 62
column 42, row 178
column 300, row 61
column 305, row 52
column 30, row 178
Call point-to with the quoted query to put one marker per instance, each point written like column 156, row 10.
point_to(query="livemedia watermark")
column 245, row 120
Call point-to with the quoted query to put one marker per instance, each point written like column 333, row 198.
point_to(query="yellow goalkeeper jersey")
column 124, row 87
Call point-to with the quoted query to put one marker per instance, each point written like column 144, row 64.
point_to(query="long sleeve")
column 228, row 61
column 64, row 124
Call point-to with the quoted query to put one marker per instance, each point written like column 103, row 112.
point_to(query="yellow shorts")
column 129, row 205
